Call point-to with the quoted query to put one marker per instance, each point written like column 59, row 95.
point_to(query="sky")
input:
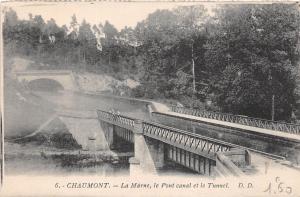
column 120, row 14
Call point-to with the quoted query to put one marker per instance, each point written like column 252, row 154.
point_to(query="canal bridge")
column 172, row 136
column 155, row 143
column 208, row 143
column 152, row 143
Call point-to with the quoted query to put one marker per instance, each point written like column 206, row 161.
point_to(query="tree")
column 88, row 43
column 98, row 31
column 158, row 37
column 110, row 42
column 72, row 42
column 191, row 26
column 74, row 27
column 173, row 42
column 11, row 18
column 251, row 57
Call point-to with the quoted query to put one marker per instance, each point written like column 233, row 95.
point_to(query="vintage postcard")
column 150, row 98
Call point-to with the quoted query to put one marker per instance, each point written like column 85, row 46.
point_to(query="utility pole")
column 273, row 107
column 193, row 26
column 273, row 96
column 193, row 69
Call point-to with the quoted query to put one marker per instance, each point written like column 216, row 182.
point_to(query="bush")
column 138, row 92
column 191, row 102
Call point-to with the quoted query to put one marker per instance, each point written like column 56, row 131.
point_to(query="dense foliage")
column 239, row 57
column 252, row 56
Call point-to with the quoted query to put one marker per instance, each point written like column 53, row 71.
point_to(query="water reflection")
column 32, row 159
column 36, row 158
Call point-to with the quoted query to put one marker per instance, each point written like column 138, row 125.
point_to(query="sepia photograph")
column 200, row 96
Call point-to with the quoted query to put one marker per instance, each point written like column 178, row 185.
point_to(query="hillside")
column 104, row 84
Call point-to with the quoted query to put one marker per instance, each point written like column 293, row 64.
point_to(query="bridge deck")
column 274, row 133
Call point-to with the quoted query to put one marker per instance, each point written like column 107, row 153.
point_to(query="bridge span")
column 152, row 143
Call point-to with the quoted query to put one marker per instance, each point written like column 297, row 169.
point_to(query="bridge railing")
column 116, row 119
column 188, row 141
column 248, row 121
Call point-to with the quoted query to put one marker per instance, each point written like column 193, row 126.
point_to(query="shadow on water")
column 55, row 151
column 39, row 159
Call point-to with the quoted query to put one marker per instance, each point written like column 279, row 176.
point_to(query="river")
column 79, row 101
column 34, row 158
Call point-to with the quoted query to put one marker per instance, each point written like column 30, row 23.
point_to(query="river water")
column 34, row 158
column 78, row 101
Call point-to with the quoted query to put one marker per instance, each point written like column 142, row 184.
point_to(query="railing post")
column 149, row 109
column 138, row 127
column 247, row 157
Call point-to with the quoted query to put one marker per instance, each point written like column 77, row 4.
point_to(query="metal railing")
column 191, row 142
column 248, row 121
column 116, row 119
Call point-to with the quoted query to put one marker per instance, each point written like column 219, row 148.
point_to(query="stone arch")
column 64, row 78
column 45, row 84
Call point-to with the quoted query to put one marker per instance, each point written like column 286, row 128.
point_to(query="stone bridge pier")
column 87, row 132
column 148, row 153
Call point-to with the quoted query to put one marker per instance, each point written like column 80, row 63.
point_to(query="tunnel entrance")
column 45, row 85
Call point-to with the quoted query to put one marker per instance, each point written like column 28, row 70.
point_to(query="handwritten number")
column 280, row 187
column 288, row 190
column 268, row 189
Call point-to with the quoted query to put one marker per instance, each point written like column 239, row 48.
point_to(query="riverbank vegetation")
column 241, row 58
